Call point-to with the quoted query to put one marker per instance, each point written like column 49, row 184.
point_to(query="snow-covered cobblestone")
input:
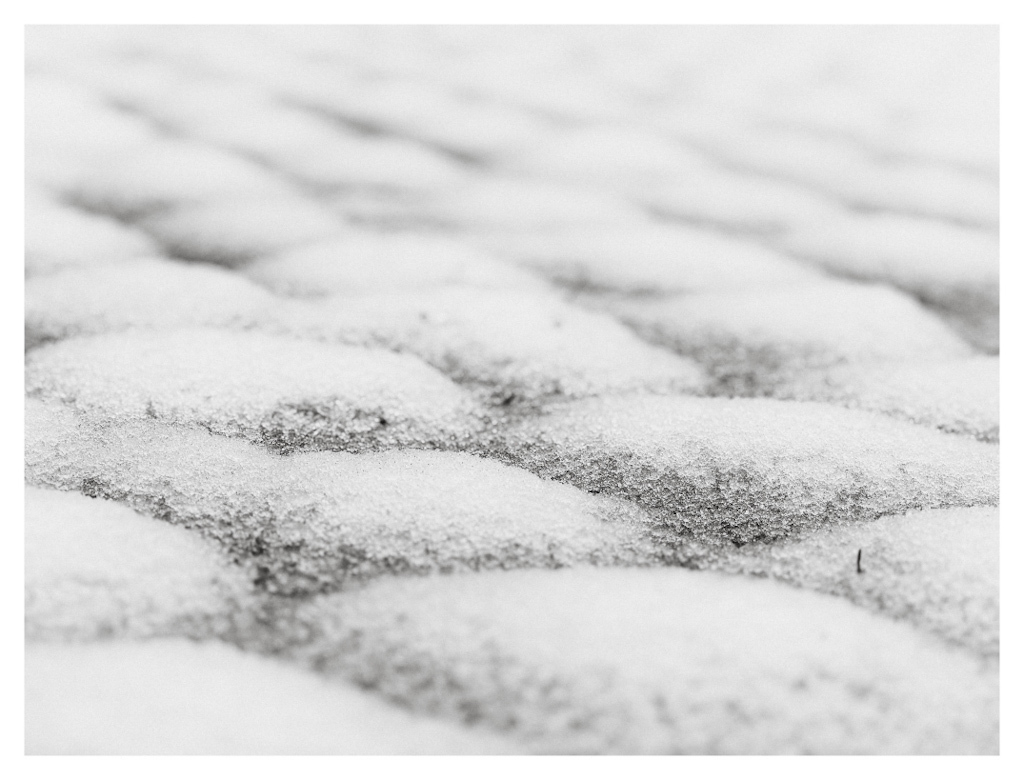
column 311, row 521
column 747, row 470
column 656, row 661
column 753, row 339
column 94, row 570
column 937, row 568
column 328, row 327
column 175, row 696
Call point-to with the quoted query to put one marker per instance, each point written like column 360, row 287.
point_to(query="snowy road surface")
column 502, row 390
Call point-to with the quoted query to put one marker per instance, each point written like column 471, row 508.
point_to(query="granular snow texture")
column 662, row 661
column 310, row 521
column 284, row 393
column 95, row 569
column 937, row 569
column 747, row 470
column 513, row 346
column 958, row 396
column 467, row 389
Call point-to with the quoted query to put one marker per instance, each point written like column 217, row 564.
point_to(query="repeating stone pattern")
column 502, row 390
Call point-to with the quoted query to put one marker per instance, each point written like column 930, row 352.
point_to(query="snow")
column 478, row 131
column 657, row 661
column 274, row 390
column 233, row 230
column 935, row 260
column 937, row 569
column 70, row 131
column 741, row 202
column 464, row 126
column 623, row 159
column 311, row 521
column 852, row 174
column 958, row 396
column 367, row 262
column 509, row 203
column 744, row 470
column 520, row 346
column 953, row 268
column 95, row 569
column 751, row 341
column 136, row 181
column 648, row 257
column 355, row 161
column 147, row 293
column 364, row 310
column 176, row 697
column 58, row 238
column 236, row 116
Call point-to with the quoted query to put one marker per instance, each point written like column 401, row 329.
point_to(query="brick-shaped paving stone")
column 176, row 697
column 312, row 521
column 361, row 262
column 937, row 569
column 284, row 393
column 958, row 396
column 750, row 341
column 649, row 259
column 657, row 661
column 94, row 569
column 745, row 470
column 149, row 293
column 515, row 346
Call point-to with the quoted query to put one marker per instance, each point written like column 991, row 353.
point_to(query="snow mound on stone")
column 142, row 181
column 952, row 268
column 740, row 202
column 456, row 123
column 657, row 661
column 148, row 293
column 937, row 569
column 621, row 158
column 751, row 341
column 519, row 346
column 54, row 106
column 649, row 258
column 748, row 470
column 58, row 238
column 300, row 141
column 96, row 569
column 497, row 203
column 177, row 697
column 957, row 396
column 232, row 231
column 365, row 262
column 310, row 521
column 365, row 162
column 284, row 393
column 70, row 132
column 847, row 170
